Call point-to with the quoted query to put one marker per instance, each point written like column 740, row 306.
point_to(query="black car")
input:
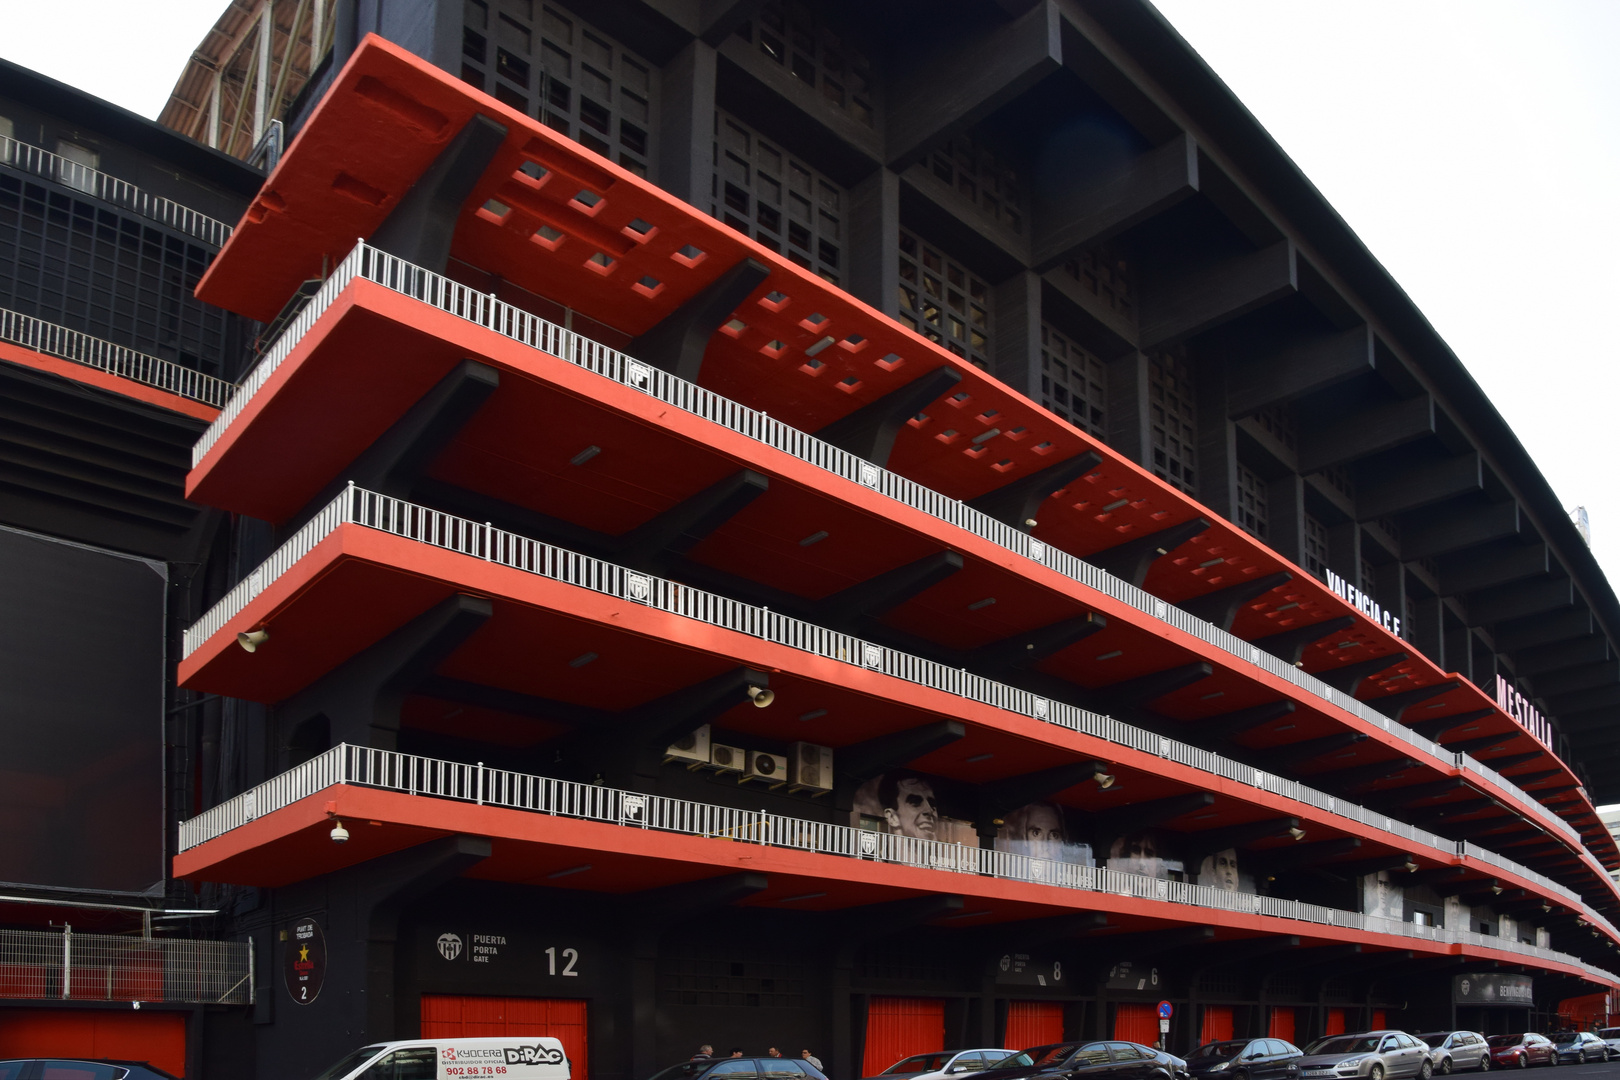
column 79, row 1069
column 741, row 1068
column 1125, row 1060
column 1246, row 1059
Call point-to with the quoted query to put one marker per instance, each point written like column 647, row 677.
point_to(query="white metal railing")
column 432, row 777
column 485, row 542
column 68, row 966
column 98, row 185
column 47, row 337
column 485, row 310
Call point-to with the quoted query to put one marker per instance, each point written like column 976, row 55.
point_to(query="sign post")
column 1166, row 1010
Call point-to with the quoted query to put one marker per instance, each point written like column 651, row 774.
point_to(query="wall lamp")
column 252, row 639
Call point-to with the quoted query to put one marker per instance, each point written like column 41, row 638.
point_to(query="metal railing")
column 66, row 966
column 51, row 339
column 27, row 158
column 421, row 776
column 485, row 310
column 482, row 541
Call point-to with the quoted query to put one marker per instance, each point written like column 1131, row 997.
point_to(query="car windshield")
column 1219, row 1051
column 1039, row 1055
column 1345, row 1044
column 1564, row 1038
column 919, row 1063
column 1504, row 1040
column 351, row 1061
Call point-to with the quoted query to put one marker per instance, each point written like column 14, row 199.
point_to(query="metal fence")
column 98, row 185
column 51, row 339
column 514, row 323
column 66, row 966
column 483, row 541
column 415, row 775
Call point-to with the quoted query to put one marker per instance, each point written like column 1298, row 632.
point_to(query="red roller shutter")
column 1335, row 1022
column 1282, row 1023
column 1217, row 1024
column 1135, row 1022
column 126, row 1035
column 1378, row 1020
column 447, row 1016
column 899, row 1027
column 1033, row 1023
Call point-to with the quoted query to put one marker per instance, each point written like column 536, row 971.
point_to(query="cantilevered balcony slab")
column 559, row 834
column 562, row 226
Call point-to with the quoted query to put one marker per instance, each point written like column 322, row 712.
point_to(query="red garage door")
column 446, row 1016
column 1033, row 1023
column 1282, row 1023
column 1217, row 1024
column 1136, row 1023
column 898, row 1027
column 155, row 1037
column 1378, row 1020
column 1335, row 1022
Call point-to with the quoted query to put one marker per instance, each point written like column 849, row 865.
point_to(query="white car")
column 944, row 1063
column 1610, row 1036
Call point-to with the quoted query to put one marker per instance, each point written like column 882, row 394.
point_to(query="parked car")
column 1246, row 1059
column 1580, row 1047
column 763, row 1068
column 1090, row 1061
column 1612, row 1037
column 943, row 1063
column 1452, row 1050
column 1177, row 1066
column 80, row 1069
column 1375, row 1055
column 1522, row 1051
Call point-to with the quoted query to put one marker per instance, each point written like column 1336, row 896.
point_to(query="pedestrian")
column 736, row 1051
column 704, row 1053
column 773, row 1052
column 811, row 1058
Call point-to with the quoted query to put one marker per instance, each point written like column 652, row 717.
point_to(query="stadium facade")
column 792, row 525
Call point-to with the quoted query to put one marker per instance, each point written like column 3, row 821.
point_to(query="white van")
column 511, row 1057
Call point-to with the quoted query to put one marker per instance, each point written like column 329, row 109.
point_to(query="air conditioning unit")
column 692, row 748
column 810, row 767
column 727, row 758
column 769, row 769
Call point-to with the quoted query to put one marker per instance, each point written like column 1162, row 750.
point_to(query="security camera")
column 340, row 835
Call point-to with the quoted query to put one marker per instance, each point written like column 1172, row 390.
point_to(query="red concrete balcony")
column 554, row 228
column 579, row 836
column 566, row 634
column 366, row 353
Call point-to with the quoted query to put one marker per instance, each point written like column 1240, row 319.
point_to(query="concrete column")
column 1129, row 429
column 685, row 166
column 1017, row 357
column 874, row 241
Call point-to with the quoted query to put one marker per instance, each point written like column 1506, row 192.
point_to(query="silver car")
column 944, row 1063
column 1373, row 1055
column 1450, row 1050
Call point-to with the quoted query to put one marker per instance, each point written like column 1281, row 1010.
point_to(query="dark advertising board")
column 1492, row 988
column 81, row 658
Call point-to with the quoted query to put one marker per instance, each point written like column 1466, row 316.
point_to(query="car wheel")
column 1425, row 1070
column 1376, row 1072
column 1524, row 1061
column 1485, row 1063
column 1553, row 1059
column 1240, row 1076
column 1580, row 1058
column 1445, row 1066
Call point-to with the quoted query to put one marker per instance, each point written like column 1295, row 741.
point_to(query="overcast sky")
column 1471, row 143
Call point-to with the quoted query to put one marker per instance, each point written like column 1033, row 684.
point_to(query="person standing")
column 736, row 1051
column 704, row 1053
column 773, row 1052
column 811, row 1058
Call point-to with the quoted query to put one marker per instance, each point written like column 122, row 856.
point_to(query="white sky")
column 1471, row 143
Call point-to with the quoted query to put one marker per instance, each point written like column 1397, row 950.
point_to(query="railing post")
column 252, row 988
column 480, row 783
column 67, row 960
column 349, row 506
